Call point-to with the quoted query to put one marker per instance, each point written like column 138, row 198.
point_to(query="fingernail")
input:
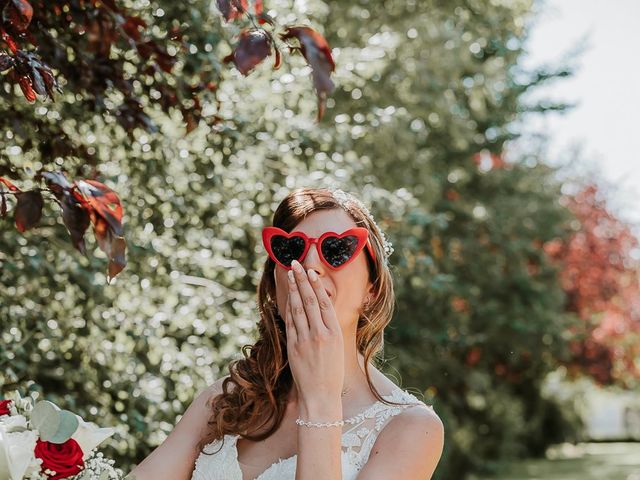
column 312, row 275
column 290, row 275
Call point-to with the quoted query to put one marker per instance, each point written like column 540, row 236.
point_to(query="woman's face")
column 347, row 287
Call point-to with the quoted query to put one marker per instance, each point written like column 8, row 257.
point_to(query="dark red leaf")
column 8, row 39
column 49, row 81
column 101, row 34
column 10, row 186
column 112, row 245
column 101, row 200
column 133, row 25
column 27, row 89
column 266, row 18
column 105, row 212
column 38, row 75
column 189, row 119
column 38, row 82
column 104, row 235
column 316, row 51
column 57, row 182
column 278, row 58
column 164, row 60
column 28, row 209
column 118, row 260
column 232, row 9
column 258, row 7
column 74, row 216
column 6, row 62
column 18, row 14
column 76, row 219
column 145, row 49
column 253, row 47
column 131, row 114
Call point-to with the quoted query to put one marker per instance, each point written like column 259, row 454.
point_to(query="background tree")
column 427, row 95
column 600, row 276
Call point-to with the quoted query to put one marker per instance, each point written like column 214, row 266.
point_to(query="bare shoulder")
column 408, row 447
column 176, row 456
column 215, row 388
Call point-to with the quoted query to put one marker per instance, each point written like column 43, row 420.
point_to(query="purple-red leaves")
column 11, row 186
column 27, row 90
column 34, row 75
column 8, row 39
column 6, row 62
column 151, row 48
column 83, row 202
column 30, row 73
column 258, row 8
column 18, row 14
column 316, row 51
column 105, row 212
column 28, row 209
column 75, row 218
column 232, row 9
column 102, row 201
column 253, row 47
column 132, row 26
column 255, row 44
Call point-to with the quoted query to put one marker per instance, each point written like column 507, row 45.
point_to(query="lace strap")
column 358, row 441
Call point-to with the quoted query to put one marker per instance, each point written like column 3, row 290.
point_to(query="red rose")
column 4, row 407
column 65, row 458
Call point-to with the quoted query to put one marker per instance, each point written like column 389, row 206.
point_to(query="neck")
column 355, row 378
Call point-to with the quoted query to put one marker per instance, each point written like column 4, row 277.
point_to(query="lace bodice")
column 357, row 440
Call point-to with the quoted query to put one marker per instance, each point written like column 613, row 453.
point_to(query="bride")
column 305, row 403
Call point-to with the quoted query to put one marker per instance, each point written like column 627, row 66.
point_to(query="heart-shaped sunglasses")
column 335, row 249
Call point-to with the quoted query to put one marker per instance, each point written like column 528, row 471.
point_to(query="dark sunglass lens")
column 338, row 250
column 287, row 249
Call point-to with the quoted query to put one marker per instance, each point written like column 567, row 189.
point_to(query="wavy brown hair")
column 262, row 379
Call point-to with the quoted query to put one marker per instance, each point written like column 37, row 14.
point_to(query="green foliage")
column 422, row 87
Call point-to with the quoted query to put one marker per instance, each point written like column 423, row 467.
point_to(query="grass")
column 584, row 461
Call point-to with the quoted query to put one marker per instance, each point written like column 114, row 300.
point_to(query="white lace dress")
column 357, row 440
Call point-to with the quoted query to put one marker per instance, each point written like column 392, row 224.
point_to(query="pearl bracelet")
column 339, row 423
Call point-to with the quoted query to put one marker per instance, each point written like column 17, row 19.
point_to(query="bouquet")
column 42, row 442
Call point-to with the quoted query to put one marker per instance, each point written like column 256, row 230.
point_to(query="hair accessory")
column 344, row 198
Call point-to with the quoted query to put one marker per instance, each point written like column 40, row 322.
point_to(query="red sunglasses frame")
column 361, row 233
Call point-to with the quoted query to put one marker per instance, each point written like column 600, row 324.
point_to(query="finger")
column 289, row 326
column 309, row 300
column 297, row 309
column 327, row 312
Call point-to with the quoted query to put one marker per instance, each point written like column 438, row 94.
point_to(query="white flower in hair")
column 345, row 198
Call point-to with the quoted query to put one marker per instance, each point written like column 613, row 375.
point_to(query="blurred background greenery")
column 491, row 251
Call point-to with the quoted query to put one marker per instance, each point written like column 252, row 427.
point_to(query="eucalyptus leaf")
column 67, row 427
column 45, row 418
column 53, row 424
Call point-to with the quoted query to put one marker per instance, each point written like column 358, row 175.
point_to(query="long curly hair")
column 262, row 379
